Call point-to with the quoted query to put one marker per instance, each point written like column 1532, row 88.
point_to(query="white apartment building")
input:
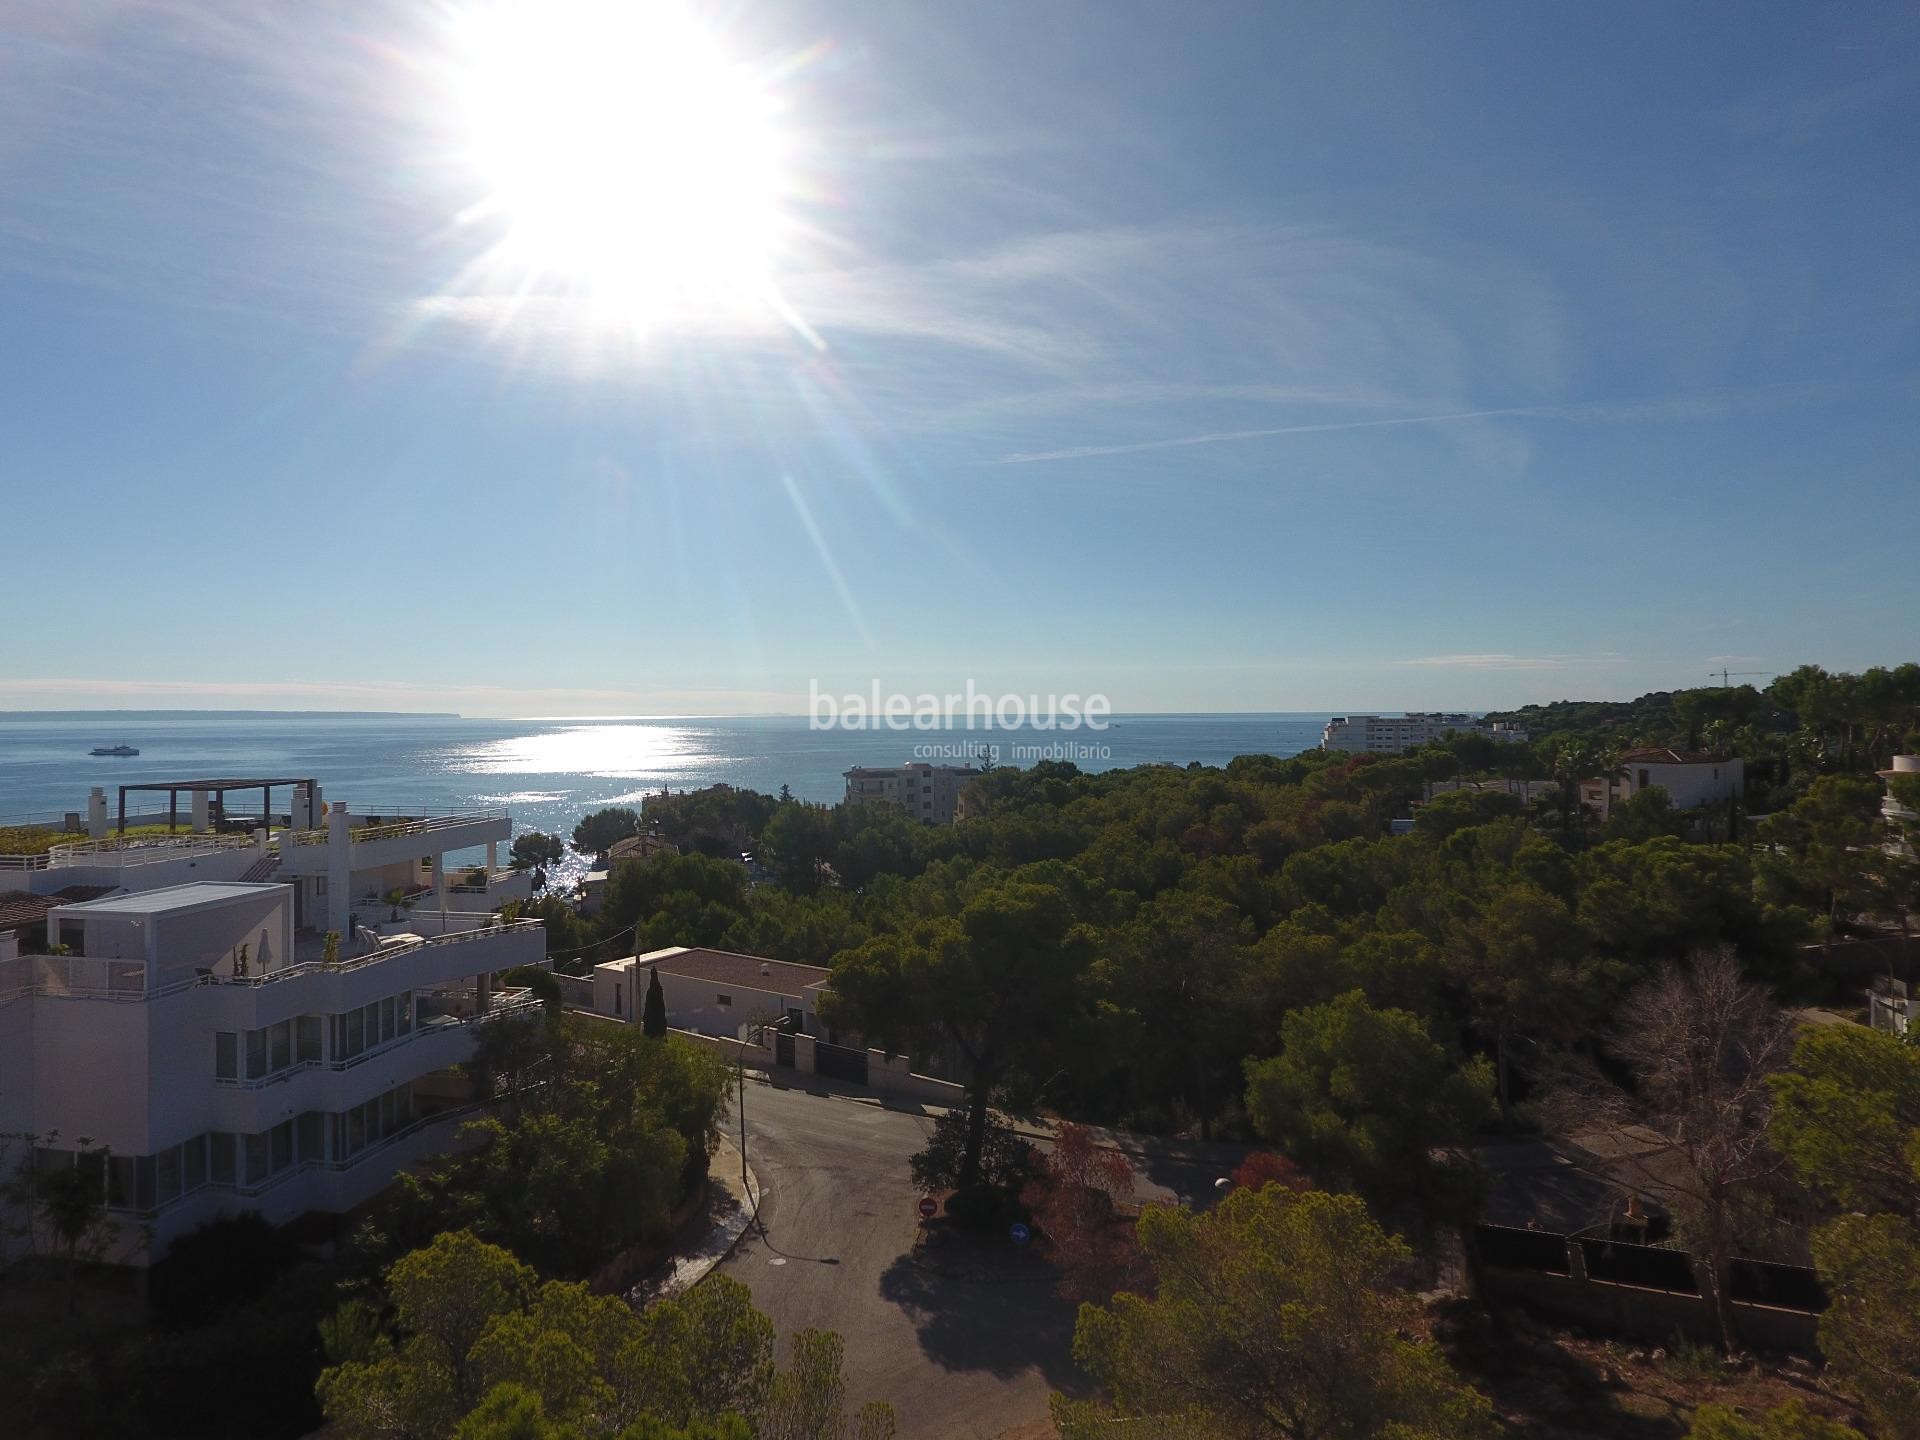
column 1391, row 734
column 251, row 1022
column 1904, row 767
column 1691, row 778
column 925, row 791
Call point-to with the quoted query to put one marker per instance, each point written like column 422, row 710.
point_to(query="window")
column 723, row 1000
column 120, row 1181
column 167, row 1174
column 92, row 1168
column 310, row 1136
column 256, row 1150
column 221, row 1157
column 280, row 1146
column 366, row 1125
column 269, row 1051
column 372, row 1025
column 616, row 999
column 193, row 1163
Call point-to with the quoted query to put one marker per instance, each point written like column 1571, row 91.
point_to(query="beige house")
column 713, row 992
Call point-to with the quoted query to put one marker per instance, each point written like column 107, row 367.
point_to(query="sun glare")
column 625, row 157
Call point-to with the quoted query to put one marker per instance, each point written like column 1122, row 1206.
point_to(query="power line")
column 592, row 944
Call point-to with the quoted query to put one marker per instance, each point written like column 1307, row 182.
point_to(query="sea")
column 551, row 772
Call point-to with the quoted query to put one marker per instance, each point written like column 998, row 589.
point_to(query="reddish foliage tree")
column 1080, row 1200
column 1263, row 1167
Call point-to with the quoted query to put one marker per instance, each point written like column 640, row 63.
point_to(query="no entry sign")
column 929, row 1208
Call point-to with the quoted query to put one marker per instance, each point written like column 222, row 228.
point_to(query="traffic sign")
column 1021, row 1234
column 929, row 1207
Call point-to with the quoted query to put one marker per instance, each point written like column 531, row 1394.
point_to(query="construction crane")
column 1725, row 675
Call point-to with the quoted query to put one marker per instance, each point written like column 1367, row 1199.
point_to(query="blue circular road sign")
column 1021, row 1234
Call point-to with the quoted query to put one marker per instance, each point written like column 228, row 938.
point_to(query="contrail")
column 1672, row 407
column 1081, row 452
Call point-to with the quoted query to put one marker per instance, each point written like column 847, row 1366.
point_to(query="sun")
column 624, row 156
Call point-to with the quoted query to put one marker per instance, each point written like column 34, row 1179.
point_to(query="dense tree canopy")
column 597, row 833
column 479, row 1347
column 1363, row 1098
column 1275, row 1315
column 532, row 850
column 996, row 982
column 597, row 1133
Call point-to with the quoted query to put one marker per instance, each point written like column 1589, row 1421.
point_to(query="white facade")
column 1391, row 734
column 1905, row 767
column 1690, row 778
column 925, row 791
column 713, row 992
column 227, row 1053
column 1890, row 1006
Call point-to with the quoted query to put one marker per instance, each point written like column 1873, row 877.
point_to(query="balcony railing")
column 300, row 1167
column 81, row 976
column 518, row 1001
column 125, row 850
column 495, row 879
column 395, row 829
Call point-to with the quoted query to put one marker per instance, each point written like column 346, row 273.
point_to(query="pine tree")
column 653, row 1019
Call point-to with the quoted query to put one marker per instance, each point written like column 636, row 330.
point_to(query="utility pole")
column 740, row 1073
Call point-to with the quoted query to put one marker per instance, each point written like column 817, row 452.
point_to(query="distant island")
column 229, row 714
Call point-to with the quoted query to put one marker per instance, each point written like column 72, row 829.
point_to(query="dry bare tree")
column 1700, row 1041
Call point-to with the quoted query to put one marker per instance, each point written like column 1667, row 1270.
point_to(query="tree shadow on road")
column 761, row 1233
column 1005, row 1327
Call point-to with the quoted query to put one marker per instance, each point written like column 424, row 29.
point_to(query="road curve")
column 959, row 1359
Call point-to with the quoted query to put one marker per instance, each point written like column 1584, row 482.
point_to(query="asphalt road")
column 957, row 1357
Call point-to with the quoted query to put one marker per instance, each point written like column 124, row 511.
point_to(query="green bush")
column 983, row 1207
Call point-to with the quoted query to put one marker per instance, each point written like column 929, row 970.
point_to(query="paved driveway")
column 956, row 1357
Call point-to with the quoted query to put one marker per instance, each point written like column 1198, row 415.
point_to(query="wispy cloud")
column 1672, row 408
column 1215, row 437
column 1499, row 661
column 88, row 692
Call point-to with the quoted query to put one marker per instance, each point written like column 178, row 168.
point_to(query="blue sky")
column 1208, row 357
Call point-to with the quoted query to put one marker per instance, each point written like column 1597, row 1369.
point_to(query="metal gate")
column 840, row 1062
column 783, row 1048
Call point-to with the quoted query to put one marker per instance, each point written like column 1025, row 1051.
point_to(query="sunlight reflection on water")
column 615, row 752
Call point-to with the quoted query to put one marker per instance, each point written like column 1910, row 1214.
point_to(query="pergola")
column 217, row 789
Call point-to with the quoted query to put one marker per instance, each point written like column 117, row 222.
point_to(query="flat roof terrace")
column 189, row 896
column 217, row 788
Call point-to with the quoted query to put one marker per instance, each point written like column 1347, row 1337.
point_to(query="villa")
column 253, row 1017
column 714, row 992
column 1691, row 778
